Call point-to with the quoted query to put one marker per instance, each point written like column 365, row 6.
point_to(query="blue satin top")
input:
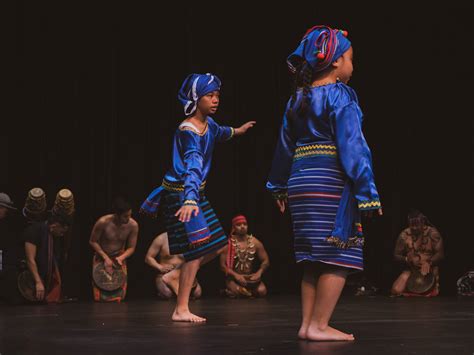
column 334, row 117
column 192, row 156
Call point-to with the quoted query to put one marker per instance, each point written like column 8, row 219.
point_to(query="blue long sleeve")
column 224, row 133
column 193, row 161
column 282, row 161
column 354, row 154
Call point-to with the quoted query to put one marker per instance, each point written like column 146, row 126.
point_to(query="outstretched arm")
column 244, row 128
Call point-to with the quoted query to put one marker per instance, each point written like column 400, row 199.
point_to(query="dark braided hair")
column 306, row 80
column 302, row 78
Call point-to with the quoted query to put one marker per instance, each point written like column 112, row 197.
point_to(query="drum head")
column 417, row 283
column 106, row 281
column 27, row 286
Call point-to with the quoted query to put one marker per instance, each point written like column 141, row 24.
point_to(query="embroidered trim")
column 369, row 205
column 194, row 129
column 232, row 133
column 311, row 150
column 281, row 195
column 178, row 187
column 357, row 241
column 190, row 203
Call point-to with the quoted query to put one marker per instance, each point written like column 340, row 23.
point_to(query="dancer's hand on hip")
column 185, row 213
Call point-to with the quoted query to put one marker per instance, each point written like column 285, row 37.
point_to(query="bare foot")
column 171, row 279
column 302, row 333
column 187, row 316
column 327, row 334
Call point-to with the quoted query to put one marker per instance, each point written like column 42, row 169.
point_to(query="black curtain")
column 94, row 109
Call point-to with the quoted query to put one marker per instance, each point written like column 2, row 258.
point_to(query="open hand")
column 242, row 129
column 185, row 213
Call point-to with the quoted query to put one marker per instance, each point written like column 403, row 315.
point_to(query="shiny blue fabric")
column 192, row 156
column 194, row 87
column 191, row 163
column 334, row 117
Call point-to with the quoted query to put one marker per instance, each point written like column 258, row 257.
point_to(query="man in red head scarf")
column 239, row 262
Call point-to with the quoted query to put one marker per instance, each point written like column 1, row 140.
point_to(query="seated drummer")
column 168, row 269
column 419, row 247
column 43, row 252
column 240, row 262
column 114, row 238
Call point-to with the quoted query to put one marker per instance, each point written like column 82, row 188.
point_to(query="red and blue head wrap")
column 320, row 46
column 194, row 87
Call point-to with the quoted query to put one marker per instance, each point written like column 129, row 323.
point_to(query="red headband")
column 239, row 219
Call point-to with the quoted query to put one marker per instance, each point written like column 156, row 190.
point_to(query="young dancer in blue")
column 192, row 226
column 322, row 168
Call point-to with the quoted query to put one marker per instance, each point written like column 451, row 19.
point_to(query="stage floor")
column 382, row 325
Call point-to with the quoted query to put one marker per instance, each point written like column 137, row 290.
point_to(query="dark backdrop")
column 94, row 109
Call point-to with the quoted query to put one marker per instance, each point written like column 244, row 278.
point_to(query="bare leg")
column 171, row 279
column 308, row 295
column 164, row 291
column 261, row 290
column 328, row 291
column 197, row 292
column 186, row 279
column 400, row 283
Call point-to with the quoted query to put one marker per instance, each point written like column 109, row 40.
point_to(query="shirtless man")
column 419, row 247
column 114, row 238
column 168, row 267
column 238, row 262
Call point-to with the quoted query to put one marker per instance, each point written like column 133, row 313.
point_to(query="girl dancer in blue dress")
column 322, row 168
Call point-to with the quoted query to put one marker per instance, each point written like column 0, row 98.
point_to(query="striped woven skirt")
column 314, row 190
column 202, row 235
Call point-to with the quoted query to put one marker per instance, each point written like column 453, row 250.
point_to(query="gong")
column 106, row 281
column 27, row 285
column 419, row 283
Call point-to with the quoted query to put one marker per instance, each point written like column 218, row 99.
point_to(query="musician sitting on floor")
column 168, row 269
column 113, row 238
column 420, row 249
column 239, row 262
